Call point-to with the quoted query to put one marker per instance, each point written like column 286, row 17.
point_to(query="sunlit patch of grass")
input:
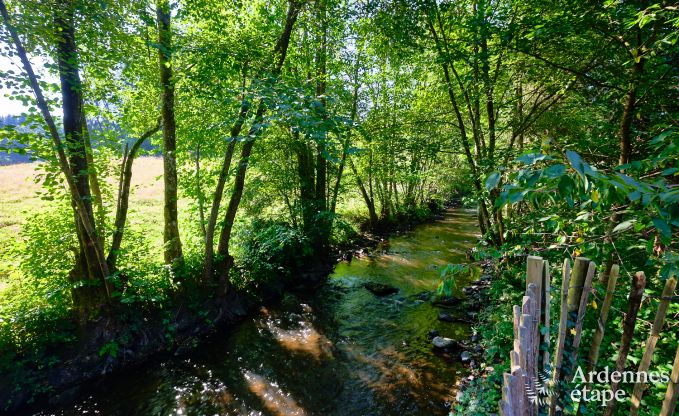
column 20, row 199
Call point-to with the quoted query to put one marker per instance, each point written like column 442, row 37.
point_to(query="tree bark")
column 369, row 200
column 124, row 196
column 171, row 239
column 629, row 107
column 323, row 223
column 345, row 147
column 91, row 269
column 88, row 300
column 219, row 190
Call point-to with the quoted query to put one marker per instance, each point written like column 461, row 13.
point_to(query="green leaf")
column 625, row 225
column 532, row 158
column 566, row 185
column 492, row 180
column 576, row 162
column 663, row 227
column 555, row 171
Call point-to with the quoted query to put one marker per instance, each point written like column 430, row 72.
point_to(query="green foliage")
column 453, row 273
column 344, row 232
column 573, row 202
column 381, row 112
column 269, row 251
column 481, row 396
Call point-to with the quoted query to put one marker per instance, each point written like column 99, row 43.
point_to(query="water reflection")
column 305, row 339
column 275, row 400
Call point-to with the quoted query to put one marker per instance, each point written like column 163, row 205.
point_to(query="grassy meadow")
column 20, row 199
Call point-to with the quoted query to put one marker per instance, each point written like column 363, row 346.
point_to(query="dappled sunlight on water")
column 276, row 400
column 304, row 339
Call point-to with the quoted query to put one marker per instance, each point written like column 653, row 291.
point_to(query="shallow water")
column 337, row 351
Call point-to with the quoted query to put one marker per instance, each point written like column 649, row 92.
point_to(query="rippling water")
column 338, row 351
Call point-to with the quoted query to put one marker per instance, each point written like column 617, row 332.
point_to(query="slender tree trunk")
column 93, row 177
column 323, row 224
column 219, row 190
column 369, row 201
column 307, row 184
column 90, row 268
column 280, row 53
column 171, row 239
column 124, row 196
column 347, row 142
column 629, row 107
column 484, row 217
column 199, row 192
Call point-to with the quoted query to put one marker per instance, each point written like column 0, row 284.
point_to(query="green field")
column 20, row 200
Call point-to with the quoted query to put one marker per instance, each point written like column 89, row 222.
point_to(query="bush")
column 270, row 250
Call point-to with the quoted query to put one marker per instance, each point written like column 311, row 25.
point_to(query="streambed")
column 340, row 350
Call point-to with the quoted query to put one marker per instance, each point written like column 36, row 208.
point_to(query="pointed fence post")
column 670, row 403
column 633, row 305
column 658, row 323
column 519, row 391
column 563, row 324
column 546, row 315
column 612, row 279
column 582, row 309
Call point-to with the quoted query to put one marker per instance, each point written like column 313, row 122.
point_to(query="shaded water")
column 338, row 351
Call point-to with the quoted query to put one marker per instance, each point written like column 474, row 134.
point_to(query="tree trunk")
column 629, row 108
column 323, row 225
column 90, row 264
column 219, row 190
column 307, row 184
column 369, row 201
column 347, row 142
column 93, row 177
column 280, row 53
column 90, row 271
column 171, row 239
column 124, row 197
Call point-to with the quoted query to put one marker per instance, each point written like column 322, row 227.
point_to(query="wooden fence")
column 534, row 385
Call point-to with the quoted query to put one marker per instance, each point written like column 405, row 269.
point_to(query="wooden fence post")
column 519, row 391
column 584, row 296
column 612, row 279
column 658, row 323
column 670, row 402
column 546, row 283
column 530, row 342
column 633, row 305
column 535, row 273
column 563, row 323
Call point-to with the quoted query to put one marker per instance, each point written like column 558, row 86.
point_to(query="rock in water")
column 442, row 342
column 380, row 289
column 446, row 302
column 446, row 317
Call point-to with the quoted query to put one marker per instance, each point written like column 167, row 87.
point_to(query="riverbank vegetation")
column 186, row 150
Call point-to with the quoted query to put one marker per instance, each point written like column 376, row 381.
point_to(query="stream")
column 339, row 350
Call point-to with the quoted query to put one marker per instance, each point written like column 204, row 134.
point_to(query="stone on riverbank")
column 443, row 343
column 444, row 317
column 380, row 289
